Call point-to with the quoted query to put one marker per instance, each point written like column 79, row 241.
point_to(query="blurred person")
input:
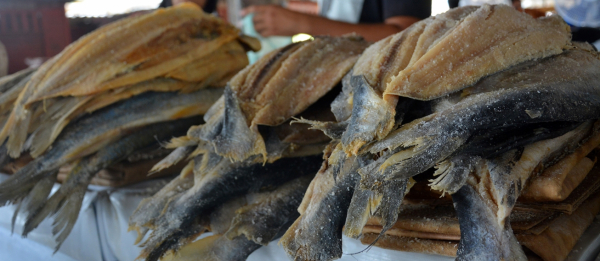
column 208, row 6
column 456, row 3
column 377, row 19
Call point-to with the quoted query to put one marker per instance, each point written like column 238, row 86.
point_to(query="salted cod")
column 30, row 186
column 231, row 148
column 242, row 225
column 380, row 192
column 483, row 205
column 165, row 43
column 441, row 55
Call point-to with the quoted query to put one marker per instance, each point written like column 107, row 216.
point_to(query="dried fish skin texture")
column 484, row 203
column 373, row 117
column 317, row 233
column 140, row 50
column 121, row 55
column 213, row 68
column 216, row 181
column 273, row 90
column 66, row 202
column 489, row 40
column 92, row 133
column 570, row 94
column 372, row 112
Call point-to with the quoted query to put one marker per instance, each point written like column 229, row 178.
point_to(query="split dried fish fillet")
column 441, row 55
column 93, row 133
column 215, row 67
column 557, row 241
column 489, row 40
column 558, row 181
column 56, row 117
column 65, row 203
column 273, row 90
column 525, row 92
column 317, row 233
column 120, row 55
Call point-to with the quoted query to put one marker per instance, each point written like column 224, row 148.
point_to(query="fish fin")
column 177, row 142
column 158, row 244
column 417, row 155
column 383, row 200
column 229, row 132
column 371, row 118
column 151, row 208
column 333, row 130
column 452, row 173
column 173, row 158
column 214, row 248
column 13, row 220
column 198, row 250
column 141, row 232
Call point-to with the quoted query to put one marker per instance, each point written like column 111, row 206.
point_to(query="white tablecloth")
column 101, row 234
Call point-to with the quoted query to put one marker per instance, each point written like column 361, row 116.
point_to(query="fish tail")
column 67, row 214
column 37, row 197
column 363, row 205
column 452, row 174
column 45, row 137
column 392, row 193
column 481, row 237
column 18, row 185
column 383, row 201
column 69, row 193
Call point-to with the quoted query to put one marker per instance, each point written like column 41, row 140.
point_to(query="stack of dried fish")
column 487, row 96
column 552, row 213
column 115, row 91
column 248, row 167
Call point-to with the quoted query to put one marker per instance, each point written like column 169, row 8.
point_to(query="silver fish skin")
column 244, row 224
column 220, row 181
column 92, row 133
column 561, row 88
column 66, row 202
column 151, row 208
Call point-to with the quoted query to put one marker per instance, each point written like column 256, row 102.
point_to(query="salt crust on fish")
column 273, row 90
column 441, row 55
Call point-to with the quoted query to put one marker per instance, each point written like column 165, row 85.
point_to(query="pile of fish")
column 486, row 103
column 248, row 167
column 116, row 91
column 484, row 118
column 481, row 103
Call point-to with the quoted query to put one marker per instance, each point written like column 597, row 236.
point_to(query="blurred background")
column 34, row 30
